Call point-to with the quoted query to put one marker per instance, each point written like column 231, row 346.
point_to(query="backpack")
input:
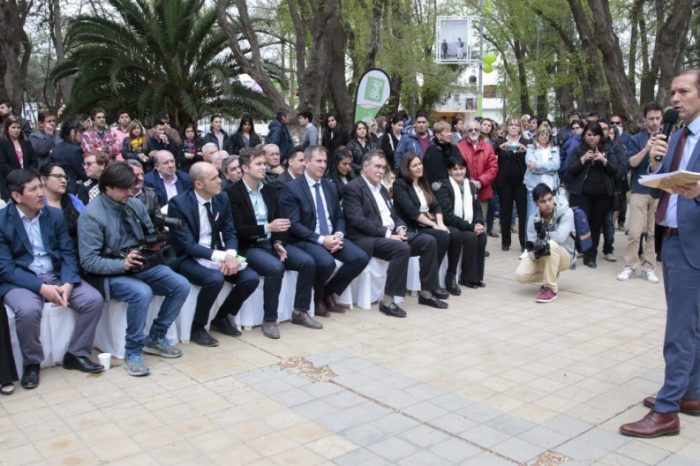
column 583, row 238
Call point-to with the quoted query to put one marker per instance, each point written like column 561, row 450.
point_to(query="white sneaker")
column 626, row 274
column 650, row 276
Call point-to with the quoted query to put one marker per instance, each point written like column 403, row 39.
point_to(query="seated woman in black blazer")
column 459, row 200
column 15, row 151
column 419, row 209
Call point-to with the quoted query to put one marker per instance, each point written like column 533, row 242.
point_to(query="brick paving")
column 496, row 379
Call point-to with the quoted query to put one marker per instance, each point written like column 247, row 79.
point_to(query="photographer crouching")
column 550, row 244
column 119, row 244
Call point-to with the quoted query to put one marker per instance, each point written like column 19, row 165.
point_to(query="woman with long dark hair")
column 333, row 136
column 191, row 152
column 418, row 207
column 340, row 169
column 359, row 144
column 15, row 151
column 390, row 141
column 592, row 168
column 245, row 136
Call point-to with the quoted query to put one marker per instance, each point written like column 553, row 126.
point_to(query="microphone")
column 667, row 124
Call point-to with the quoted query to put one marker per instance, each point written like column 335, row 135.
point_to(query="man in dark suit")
column 208, row 250
column 165, row 179
column 374, row 225
column 38, row 264
column 318, row 227
column 262, row 234
column 295, row 167
column 679, row 215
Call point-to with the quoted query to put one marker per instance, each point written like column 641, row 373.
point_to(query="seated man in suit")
column 295, row 167
column 165, row 179
column 37, row 265
column 262, row 233
column 374, row 225
column 207, row 246
column 318, row 227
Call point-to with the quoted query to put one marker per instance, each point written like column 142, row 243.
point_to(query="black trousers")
column 442, row 242
column 596, row 207
column 473, row 249
column 397, row 253
column 8, row 371
column 508, row 192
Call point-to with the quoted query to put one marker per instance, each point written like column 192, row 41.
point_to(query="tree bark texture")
column 15, row 49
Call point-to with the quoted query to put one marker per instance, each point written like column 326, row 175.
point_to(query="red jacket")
column 482, row 164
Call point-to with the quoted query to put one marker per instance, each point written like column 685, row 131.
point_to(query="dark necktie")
column 215, row 243
column 321, row 212
column 675, row 163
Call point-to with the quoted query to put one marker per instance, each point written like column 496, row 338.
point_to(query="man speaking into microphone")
column 679, row 215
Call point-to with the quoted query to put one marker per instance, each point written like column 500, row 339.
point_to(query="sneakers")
column 546, row 295
column 162, row 348
column 610, row 257
column 135, row 367
column 650, row 276
column 626, row 274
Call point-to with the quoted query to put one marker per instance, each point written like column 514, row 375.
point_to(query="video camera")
column 541, row 246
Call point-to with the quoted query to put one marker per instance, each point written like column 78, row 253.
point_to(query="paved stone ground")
column 494, row 380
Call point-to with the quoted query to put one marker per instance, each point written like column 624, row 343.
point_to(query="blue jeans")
column 608, row 234
column 137, row 291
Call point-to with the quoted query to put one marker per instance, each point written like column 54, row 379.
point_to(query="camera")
column 161, row 222
column 541, row 246
column 152, row 249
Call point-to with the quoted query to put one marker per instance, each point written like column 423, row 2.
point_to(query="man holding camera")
column 207, row 247
column 550, row 244
column 118, row 244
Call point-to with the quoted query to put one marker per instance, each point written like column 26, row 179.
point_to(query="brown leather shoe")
column 330, row 304
column 321, row 310
column 689, row 407
column 653, row 425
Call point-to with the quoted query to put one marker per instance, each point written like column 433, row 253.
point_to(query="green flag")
column 372, row 93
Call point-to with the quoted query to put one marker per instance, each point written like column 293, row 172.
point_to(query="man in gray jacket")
column 113, row 246
column 550, row 244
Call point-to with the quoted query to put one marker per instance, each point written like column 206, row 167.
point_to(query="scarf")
column 463, row 202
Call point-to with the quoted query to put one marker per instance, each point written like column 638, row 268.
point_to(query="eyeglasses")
column 473, row 130
column 88, row 164
column 58, row 176
column 616, row 123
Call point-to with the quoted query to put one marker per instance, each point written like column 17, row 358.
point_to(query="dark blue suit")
column 681, row 267
column 298, row 206
column 153, row 180
column 20, row 286
column 186, row 242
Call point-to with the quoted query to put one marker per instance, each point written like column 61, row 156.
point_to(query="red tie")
column 675, row 163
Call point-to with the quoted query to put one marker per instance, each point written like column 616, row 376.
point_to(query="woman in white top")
column 418, row 208
column 461, row 210
column 542, row 159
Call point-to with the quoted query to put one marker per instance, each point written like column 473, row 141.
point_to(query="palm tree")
column 155, row 55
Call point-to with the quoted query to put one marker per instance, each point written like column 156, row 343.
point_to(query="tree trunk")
column 595, row 95
column 337, row 83
column 634, row 37
column 254, row 66
column 522, row 78
column 621, row 94
column 647, row 78
column 15, row 48
column 671, row 41
column 56, row 24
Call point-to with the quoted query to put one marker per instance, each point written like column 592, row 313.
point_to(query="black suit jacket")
column 9, row 161
column 408, row 205
column 247, row 228
column 446, row 197
column 298, row 206
column 186, row 240
column 362, row 211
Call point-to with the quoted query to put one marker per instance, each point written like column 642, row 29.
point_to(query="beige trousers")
column 640, row 219
column 546, row 269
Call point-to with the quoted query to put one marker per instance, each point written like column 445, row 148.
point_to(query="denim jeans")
column 608, row 234
column 137, row 290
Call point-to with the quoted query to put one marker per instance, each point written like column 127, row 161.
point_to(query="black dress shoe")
column 202, row 338
column 487, row 254
column 441, row 293
column 223, row 325
column 30, row 378
column 392, row 310
column 81, row 363
column 471, row 285
column 482, row 284
column 590, row 263
column 505, row 248
column 432, row 302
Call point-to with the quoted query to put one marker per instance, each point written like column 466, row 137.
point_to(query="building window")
column 490, row 91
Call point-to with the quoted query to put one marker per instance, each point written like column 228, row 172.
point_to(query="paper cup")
column 105, row 359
